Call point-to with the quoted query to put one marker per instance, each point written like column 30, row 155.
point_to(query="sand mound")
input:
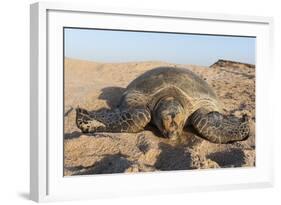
column 94, row 85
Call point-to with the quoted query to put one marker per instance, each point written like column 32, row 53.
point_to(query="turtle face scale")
column 169, row 117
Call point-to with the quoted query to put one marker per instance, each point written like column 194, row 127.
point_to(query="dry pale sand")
column 94, row 85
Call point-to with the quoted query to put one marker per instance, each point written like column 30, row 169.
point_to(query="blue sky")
column 126, row 46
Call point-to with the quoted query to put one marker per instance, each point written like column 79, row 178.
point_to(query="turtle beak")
column 173, row 136
column 165, row 133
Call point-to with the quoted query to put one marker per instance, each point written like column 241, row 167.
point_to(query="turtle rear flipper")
column 127, row 120
column 219, row 128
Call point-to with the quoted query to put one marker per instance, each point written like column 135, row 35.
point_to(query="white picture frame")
column 47, row 182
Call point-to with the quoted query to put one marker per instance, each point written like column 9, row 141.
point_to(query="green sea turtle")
column 169, row 98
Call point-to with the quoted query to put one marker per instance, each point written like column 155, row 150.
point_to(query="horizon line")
column 158, row 61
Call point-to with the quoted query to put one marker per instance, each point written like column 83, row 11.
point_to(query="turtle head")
column 169, row 117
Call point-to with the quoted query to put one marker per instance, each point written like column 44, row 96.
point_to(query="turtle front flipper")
column 219, row 128
column 128, row 120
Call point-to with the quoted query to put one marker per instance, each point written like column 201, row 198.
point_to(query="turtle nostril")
column 173, row 115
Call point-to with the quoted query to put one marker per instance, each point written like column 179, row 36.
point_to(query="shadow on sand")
column 173, row 158
column 116, row 163
column 112, row 95
column 231, row 158
column 72, row 135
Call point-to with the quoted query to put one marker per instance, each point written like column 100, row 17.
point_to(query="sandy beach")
column 93, row 85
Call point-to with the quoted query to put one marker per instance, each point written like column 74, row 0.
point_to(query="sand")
column 93, row 85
